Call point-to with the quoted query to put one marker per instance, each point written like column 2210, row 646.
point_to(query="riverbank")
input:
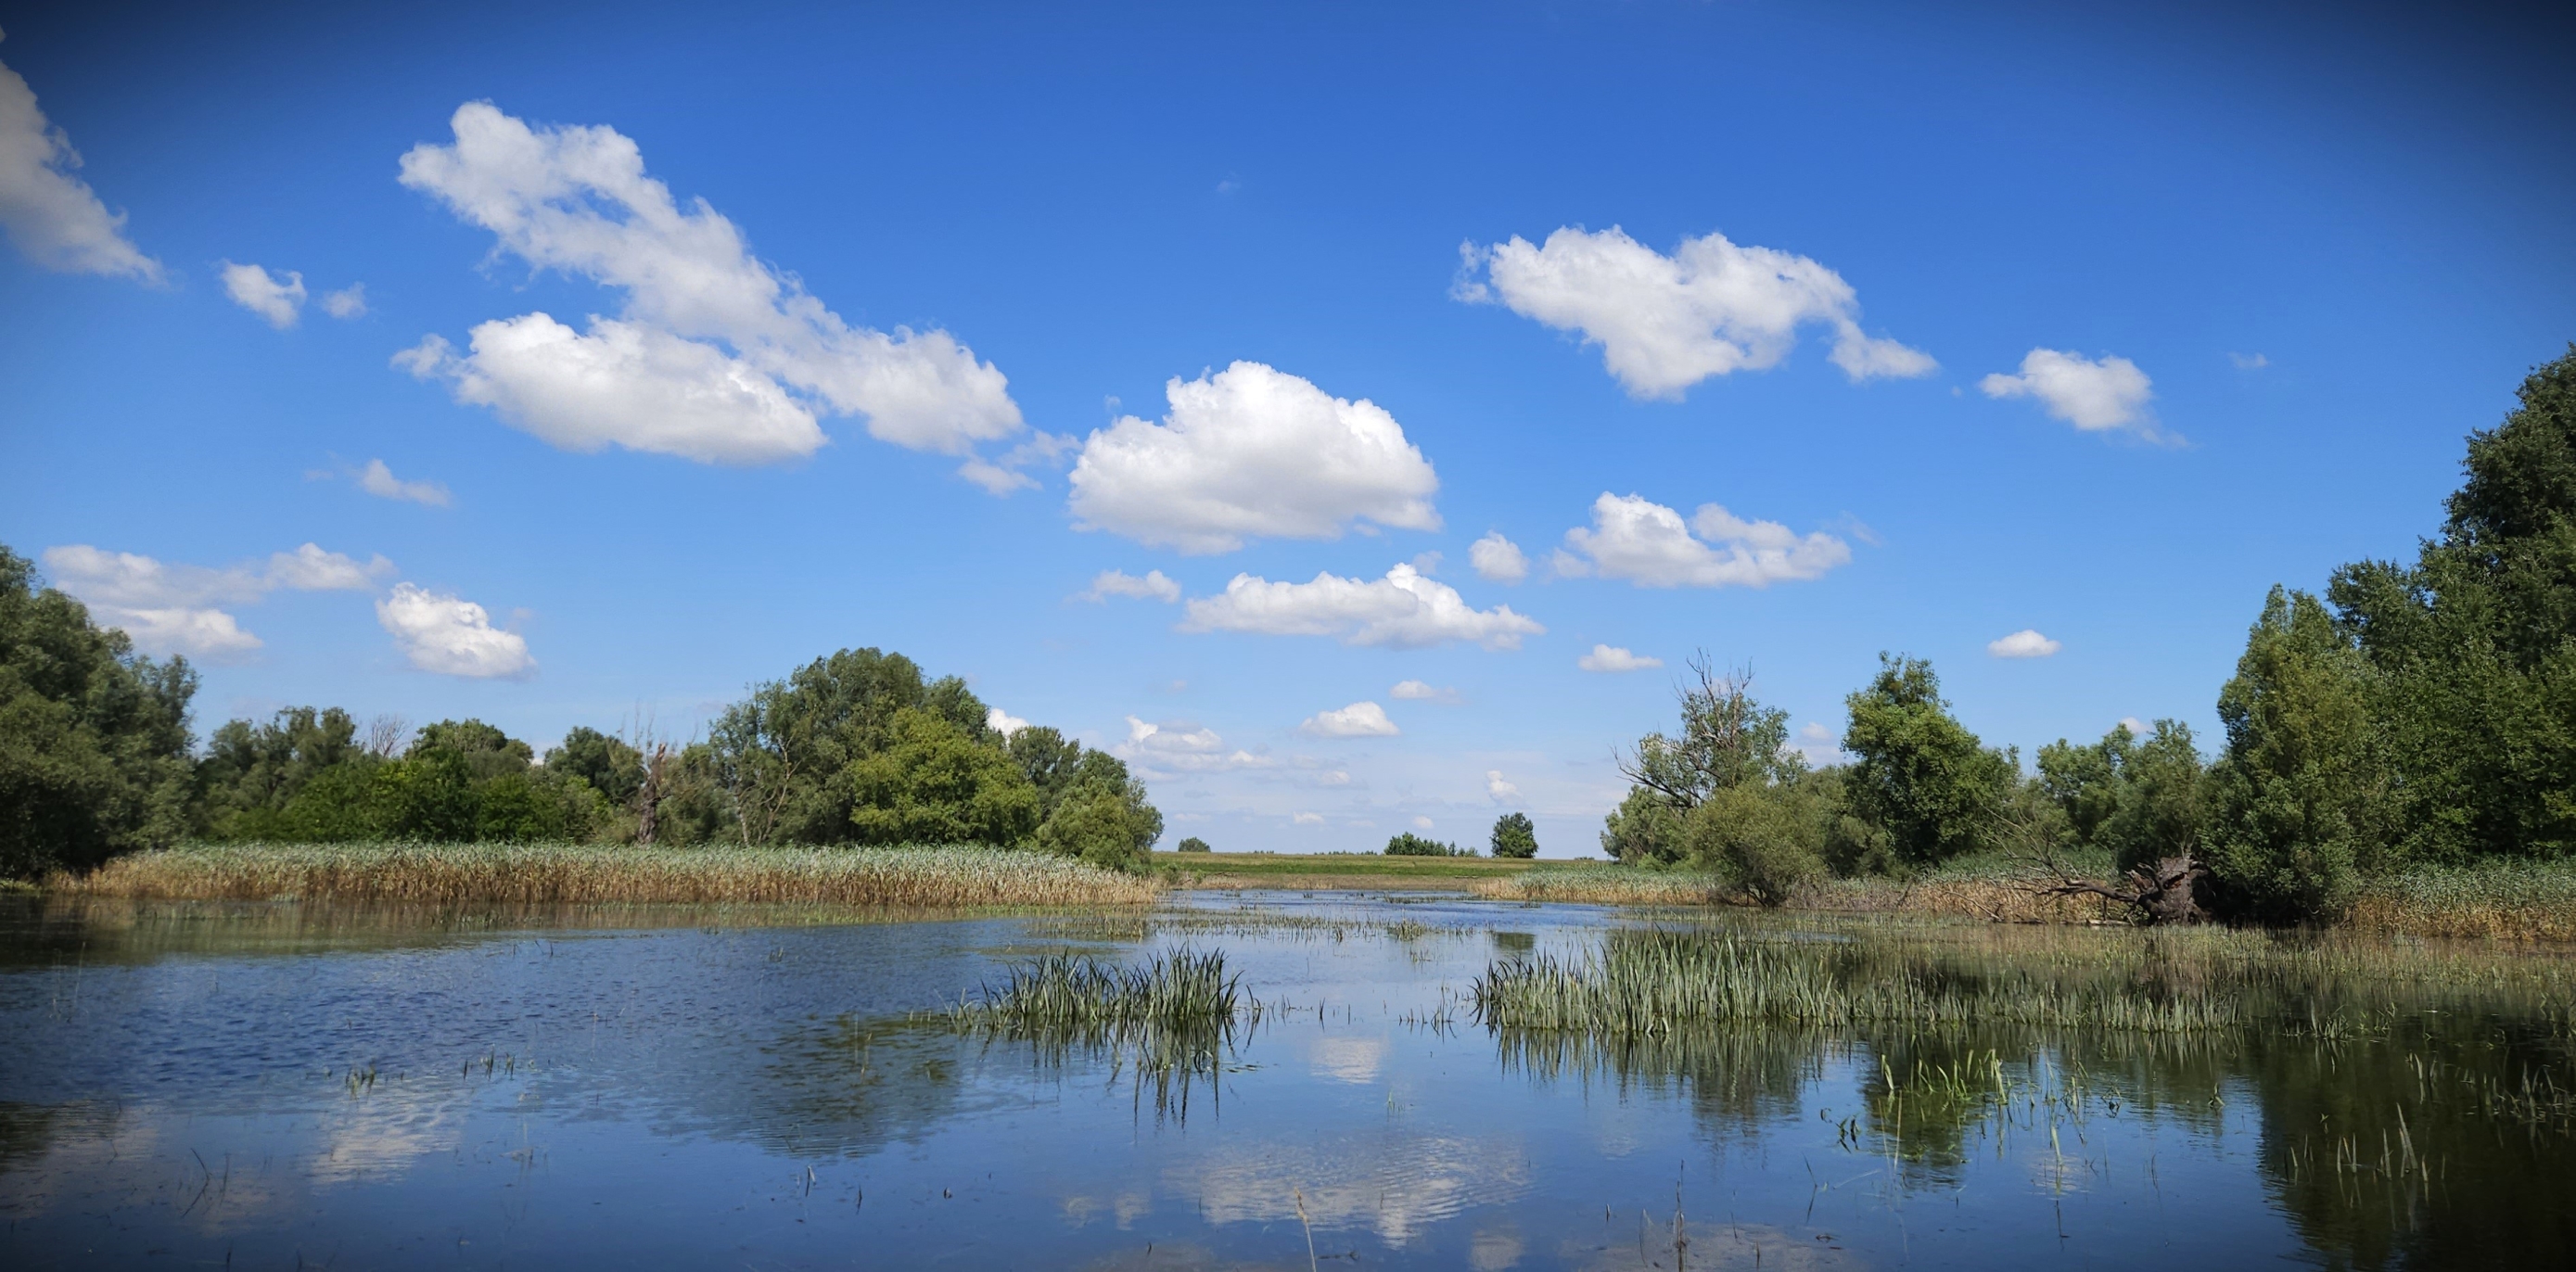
column 611, row 874
column 1327, row 872
column 2503, row 901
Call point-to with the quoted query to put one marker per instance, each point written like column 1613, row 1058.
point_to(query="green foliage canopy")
column 1920, row 775
column 94, row 738
column 1514, row 837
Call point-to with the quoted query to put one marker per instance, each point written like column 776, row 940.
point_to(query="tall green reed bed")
column 611, row 874
column 1646, row 982
column 1886, row 971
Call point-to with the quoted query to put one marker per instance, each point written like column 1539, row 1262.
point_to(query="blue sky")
column 1973, row 321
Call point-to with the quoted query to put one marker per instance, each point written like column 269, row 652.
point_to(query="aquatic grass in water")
column 1172, row 1020
column 1073, row 992
column 1654, row 981
column 610, row 874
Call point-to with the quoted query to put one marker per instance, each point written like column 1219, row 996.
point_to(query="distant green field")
column 1329, row 869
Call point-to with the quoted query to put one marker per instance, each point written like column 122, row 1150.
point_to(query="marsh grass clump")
column 1654, row 981
column 1070, row 992
column 611, row 874
column 1171, row 1022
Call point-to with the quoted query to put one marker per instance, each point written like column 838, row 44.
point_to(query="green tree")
column 1515, row 837
column 783, row 751
column 1194, row 844
column 934, row 782
column 1921, row 777
column 2300, row 803
column 1766, row 839
column 1106, row 823
column 93, row 737
column 2140, row 801
column 250, row 773
column 2475, row 645
column 1643, row 830
column 608, row 764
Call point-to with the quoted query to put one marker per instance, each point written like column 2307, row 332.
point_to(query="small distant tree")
column 1195, row 844
column 1514, row 837
column 1408, row 844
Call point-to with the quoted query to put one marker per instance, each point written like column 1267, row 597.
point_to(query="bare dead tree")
column 386, row 736
column 2163, row 892
column 654, row 755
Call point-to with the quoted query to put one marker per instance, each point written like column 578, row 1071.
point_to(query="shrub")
column 1643, row 828
column 1767, row 841
column 1104, row 825
column 1195, row 844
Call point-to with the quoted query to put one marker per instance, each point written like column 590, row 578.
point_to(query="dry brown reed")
column 2512, row 901
column 586, row 874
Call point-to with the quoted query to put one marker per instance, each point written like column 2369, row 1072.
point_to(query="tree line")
column 2417, row 713
column 97, row 758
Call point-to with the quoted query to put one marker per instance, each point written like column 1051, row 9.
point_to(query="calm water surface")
column 274, row 1086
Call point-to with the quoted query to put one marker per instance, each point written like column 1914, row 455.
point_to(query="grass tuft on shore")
column 608, row 874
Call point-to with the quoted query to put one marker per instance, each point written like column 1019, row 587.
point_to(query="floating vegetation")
column 611, row 874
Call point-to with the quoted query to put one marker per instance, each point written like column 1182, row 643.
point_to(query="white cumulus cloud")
column 1403, row 610
column 377, row 479
column 1665, row 323
column 1177, row 747
column 2093, row 394
column 1500, row 791
column 1422, row 691
column 1497, row 559
column 2026, row 643
column 279, row 300
column 1251, row 451
column 1003, row 722
column 178, row 609
column 1613, row 658
column 715, row 356
column 347, row 303
column 1154, row 586
column 1422, row 823
column 54, row 217
column 2137, row 728
column 1358, row 720
column 1648, row 544
column 450, row 635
